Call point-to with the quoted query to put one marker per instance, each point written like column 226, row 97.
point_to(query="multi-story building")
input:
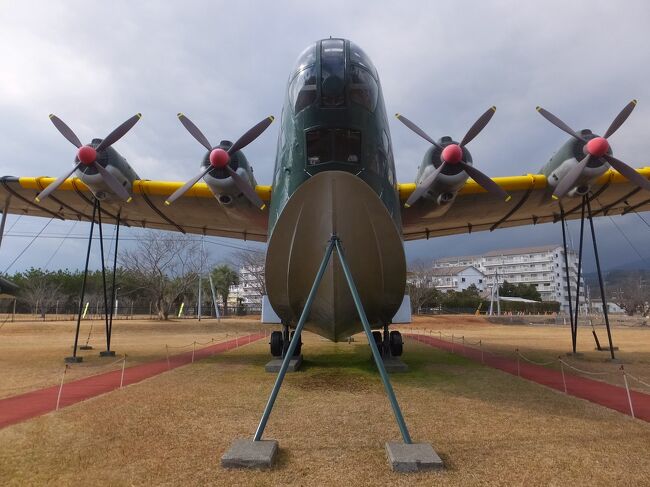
column 250, row 288
column 457, row 278
column 541, row 266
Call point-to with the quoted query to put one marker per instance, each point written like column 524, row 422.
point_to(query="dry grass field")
column 31, row 353
column 544, row 343
column 331, row 419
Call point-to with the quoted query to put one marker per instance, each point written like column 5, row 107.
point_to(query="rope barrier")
column 638, row 380
column 453, row 338
column 542, row 364
column 585, row 371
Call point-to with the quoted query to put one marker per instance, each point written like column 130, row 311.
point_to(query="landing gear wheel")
column 298, row 349
column 276, row 343
column 396, row 343
column 378, row 341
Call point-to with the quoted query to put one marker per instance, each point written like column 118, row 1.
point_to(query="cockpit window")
column 306, row 58
column 332, row 62
column 333, row 145
column 363, row 88
column 358, row 56
column 302, row 90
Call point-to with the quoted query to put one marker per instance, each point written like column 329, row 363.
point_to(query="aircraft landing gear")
column 390, row 344
column 280, row 340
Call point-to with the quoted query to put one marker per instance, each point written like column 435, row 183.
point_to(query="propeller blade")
column 620, row 118
column 423, row 187
column 112, row 182
column 55, row 184
column 251, row 135
column 119, row 132
column 194, row 131
column 568, row 181
column 246, row 188
column 629, row 172
column 65, row 131
column 417, row 130
column 484, row 181
column 559, row 123
column 478, row 126
column 183, row 189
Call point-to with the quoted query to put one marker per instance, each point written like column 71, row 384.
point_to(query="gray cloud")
column 225, row 64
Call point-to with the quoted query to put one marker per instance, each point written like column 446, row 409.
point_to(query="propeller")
column 597, row 149
column 220, row 159
column 87, row 156
column 453, row 154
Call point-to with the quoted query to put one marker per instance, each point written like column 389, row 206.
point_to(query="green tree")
column 223, row 277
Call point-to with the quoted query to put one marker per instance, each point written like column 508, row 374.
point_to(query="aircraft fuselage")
column 334, row 121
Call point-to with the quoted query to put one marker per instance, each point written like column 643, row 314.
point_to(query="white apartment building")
column 250, row 287
column 541, row 266
column 457, row 278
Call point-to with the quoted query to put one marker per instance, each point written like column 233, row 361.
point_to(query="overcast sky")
column 225, row 64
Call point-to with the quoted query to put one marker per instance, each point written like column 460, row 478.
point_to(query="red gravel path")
column 25, row 406
column 607, row 395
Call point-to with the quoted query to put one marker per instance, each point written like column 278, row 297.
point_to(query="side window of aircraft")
column 302, row 90
column 306, row 58
column 328, row 145
column 361, row 58
column 363, row 88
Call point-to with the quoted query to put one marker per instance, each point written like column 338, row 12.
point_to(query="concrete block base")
column 275, row 364
column 416, row 457
column 575, row 355
column 107, row 353
column 73, row 360
column 246, row 453
column 393, row 364
column 86, row 347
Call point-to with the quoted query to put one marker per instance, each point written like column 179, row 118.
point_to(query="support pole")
column 74, row 357
column 373, row 346
column 574, row 332
column 566, row 268
column 113, row 288
column 101, row 253
column 294, row 342
column 600, row 282
column 200, row 280
column 214, row 299
column 4, row 218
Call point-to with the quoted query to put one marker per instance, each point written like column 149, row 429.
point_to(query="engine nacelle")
column 566, row 158
column 114, row 163
column 222, row 185
column 452, row 178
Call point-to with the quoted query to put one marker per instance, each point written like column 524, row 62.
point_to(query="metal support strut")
column 101, row 254
column 83, row 287
column 334, row 243
column 113, row 289
column 600, row 282
column 574, row 333
column 568, row 275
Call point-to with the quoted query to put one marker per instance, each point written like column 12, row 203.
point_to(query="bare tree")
column 166, row 266
column 419, row 283
column 39, row 291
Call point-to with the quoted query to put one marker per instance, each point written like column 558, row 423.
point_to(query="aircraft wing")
column 476, row 210
column 197, row 211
